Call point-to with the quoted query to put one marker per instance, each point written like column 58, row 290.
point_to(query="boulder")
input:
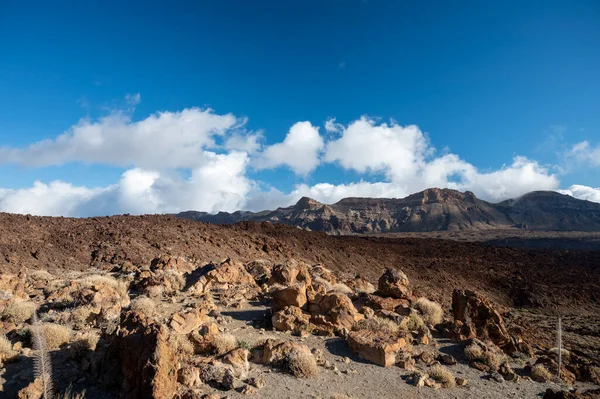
column 169, row 262
column 189, row 376
column 223, row 277
column 261, row 270
column 290, row 272
column 237, row 360
column 320, row 271
column 394, row 283
column 294, row 295
column 360, row 285
column 186, row 322
column 291, row 318
column 338, row 311
column 148, row 362
column 376, row 346
column 476, row 317
column 376, row 302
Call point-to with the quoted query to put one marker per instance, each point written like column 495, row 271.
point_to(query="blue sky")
column 502, row 93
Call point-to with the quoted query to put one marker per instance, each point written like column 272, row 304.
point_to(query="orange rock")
column 376, row 347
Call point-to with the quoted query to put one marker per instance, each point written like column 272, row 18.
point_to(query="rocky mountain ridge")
column 433, row 209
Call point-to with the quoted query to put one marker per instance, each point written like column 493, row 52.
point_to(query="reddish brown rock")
column 294, row 295
column 476, row 317
column 291, row 318
column 290, row 272
column 169, row 262
column 376, row 302
column 377, row 347
column 394, row 283
column 186, row 322
column 148, row 362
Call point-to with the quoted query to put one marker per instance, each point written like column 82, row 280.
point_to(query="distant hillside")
column 431, row 210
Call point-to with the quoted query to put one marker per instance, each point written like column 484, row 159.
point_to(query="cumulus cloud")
column 299, row 150
column 584, row 152
column 162, row 140
column 583, row 192
column 196, row 159
column 249, row 143
column 219, row 184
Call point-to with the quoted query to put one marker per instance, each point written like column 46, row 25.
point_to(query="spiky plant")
column 41, row 361
column 559, row 344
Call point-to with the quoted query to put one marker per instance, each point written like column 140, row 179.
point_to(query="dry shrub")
column 301, row 363
column 144, row 305
column 412, row 323
column 56, row 335
column 378, row 324
column 539, row 373
column 432, row 311
column 120, row 286
column 176, row 280
column 6, row 348
column 341, row 288
column 181, row 343
column 18, row 311
column 69, row 394
column 491, row 357
column 224, row 343
column 474, row 353
column 39, row 275
column 340, row 396
column 85, row 343
column 441, row 374
column 80, row 316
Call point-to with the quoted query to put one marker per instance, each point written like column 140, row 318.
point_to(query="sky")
column 156, row 107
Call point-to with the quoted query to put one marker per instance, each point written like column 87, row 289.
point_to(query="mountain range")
column 433, row 209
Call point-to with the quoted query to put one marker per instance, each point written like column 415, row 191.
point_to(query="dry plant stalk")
column 41, row 361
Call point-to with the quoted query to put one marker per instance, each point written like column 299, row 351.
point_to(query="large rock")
column 475, row 316
column 169, row 262
column 376, row 346
column 394, row 283
column 261, row 270
column 294, row 295
column 186, row 322
column 290, row 272
column 376, row 302
column 291, row 318
column 148, row 362
column 338, row 312
column 227, row 277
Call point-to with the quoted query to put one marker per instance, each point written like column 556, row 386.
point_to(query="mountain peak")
column 308, row 203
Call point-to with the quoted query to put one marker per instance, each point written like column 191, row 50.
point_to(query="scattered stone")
column 417, row 379
column 256, row 382
column 461, row 382
column 496, row 377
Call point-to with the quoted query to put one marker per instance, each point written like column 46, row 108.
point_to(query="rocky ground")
column 149, row 307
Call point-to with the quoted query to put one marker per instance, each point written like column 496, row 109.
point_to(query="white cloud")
column 196, row 159
column 249, row 143
column 55, row 199
column 162, row 140
column 365, row 146
column 584, row 152
column 583, row 192
column 219, row 184
column 299, row 150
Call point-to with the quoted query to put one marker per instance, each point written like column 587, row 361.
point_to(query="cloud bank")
column 198, row 159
